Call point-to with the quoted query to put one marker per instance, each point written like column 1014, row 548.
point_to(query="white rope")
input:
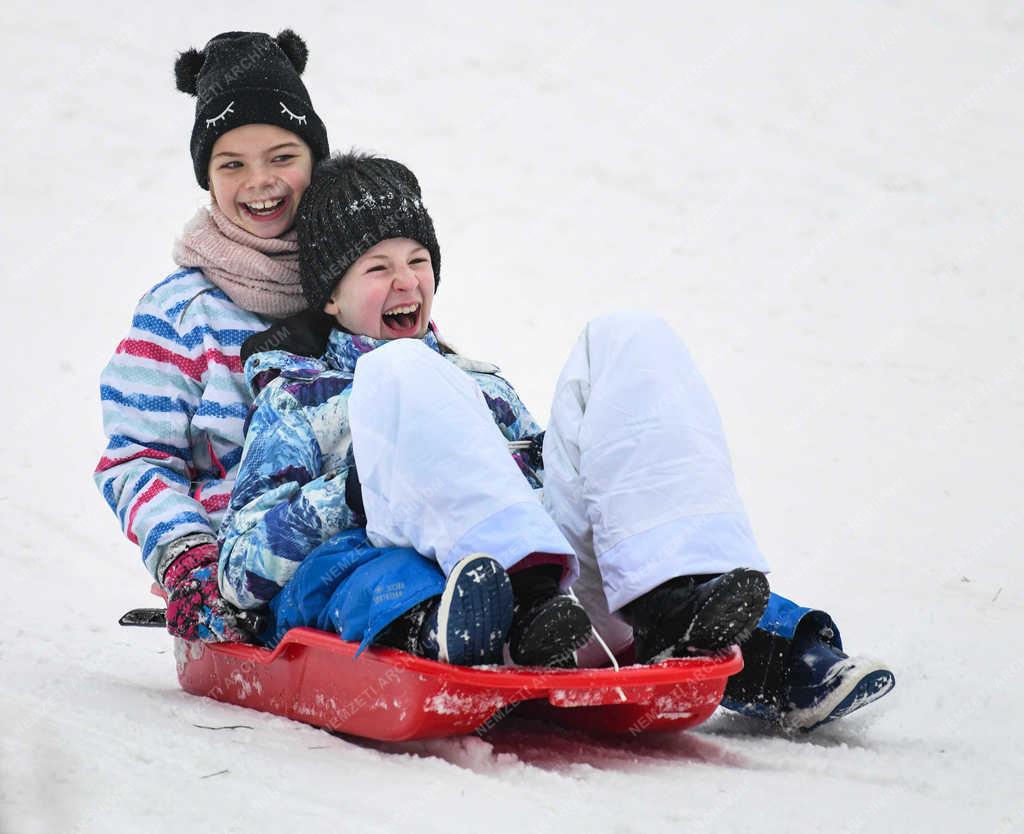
column 604, row 645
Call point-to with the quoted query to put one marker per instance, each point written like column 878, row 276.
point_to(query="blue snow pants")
column 349, row 586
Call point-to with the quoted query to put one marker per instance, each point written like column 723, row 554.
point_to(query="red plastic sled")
column 315, row 677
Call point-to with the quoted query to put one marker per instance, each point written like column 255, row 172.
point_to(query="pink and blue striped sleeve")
column 150, row 390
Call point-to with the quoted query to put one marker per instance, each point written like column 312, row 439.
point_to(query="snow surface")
column 824, row 199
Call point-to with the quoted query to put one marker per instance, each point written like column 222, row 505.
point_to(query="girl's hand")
column 195, row 608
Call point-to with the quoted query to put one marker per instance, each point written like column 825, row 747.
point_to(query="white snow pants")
column 435, row 470
column 638, row 483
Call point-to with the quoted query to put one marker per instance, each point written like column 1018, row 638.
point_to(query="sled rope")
column 607, row 651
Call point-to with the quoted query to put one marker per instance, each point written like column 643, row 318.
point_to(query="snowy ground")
column 824, row 199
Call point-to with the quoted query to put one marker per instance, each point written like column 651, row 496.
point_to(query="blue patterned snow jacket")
column 293, row 490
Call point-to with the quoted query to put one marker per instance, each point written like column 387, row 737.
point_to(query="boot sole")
column 867, row 680
column 475, row 613
column 554, row 636
column 727, row 616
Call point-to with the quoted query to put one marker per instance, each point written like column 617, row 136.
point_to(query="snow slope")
column 824, row 199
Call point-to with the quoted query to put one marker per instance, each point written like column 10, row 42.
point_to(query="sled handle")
column 157, row 618
column 144, row 617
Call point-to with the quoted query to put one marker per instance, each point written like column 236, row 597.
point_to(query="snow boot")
column 547, row 626
column 467, row 625
column 702, row 612
column 826, row 684
column 404, row 632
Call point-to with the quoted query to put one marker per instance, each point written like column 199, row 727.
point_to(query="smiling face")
column 258, row 173
column 387, row 293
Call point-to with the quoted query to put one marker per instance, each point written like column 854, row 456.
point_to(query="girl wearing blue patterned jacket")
column 393, row 434
column 389, row 489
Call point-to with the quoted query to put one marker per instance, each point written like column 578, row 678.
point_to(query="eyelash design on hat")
column 223, row 115
column 285, row 111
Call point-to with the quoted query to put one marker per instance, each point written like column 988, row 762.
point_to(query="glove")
column 195, row 608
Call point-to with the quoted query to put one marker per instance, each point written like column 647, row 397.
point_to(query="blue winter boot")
column 470, row 623
column 826, row 684
column 795, row 673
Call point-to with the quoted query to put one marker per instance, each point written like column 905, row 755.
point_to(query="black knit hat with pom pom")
column 244, row 78
column 353, row 203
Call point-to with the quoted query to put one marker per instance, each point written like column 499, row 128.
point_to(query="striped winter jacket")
column 174, row 403
column 293, row 490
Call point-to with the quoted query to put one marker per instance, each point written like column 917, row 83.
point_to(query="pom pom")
column 294, row 47
column 338, row 164
column 186, row 70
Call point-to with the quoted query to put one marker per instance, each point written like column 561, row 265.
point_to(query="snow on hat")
column 354, row 202
column 243, row 78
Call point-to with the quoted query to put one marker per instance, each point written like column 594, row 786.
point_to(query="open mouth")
column 265, row 209
column 402, row 321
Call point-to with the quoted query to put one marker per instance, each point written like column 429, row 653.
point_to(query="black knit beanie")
column 244, row 78
column 353, row 203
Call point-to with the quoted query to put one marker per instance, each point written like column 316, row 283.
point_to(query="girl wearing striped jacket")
column 174, row 399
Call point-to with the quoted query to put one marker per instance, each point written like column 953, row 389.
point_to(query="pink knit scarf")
column 259, row 274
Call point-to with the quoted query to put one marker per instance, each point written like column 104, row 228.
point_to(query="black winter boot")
column 404, row 632
column 547, row 626
column 705, row 612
